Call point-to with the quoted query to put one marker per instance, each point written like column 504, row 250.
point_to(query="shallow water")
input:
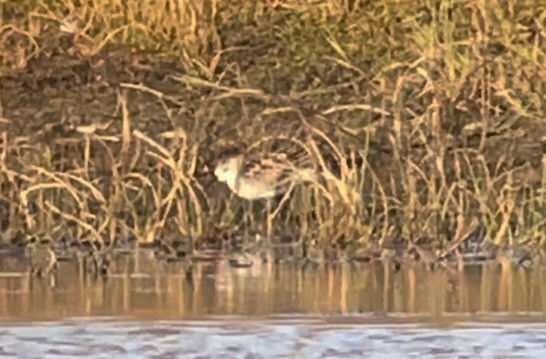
column 147, row 308
column 303, row 338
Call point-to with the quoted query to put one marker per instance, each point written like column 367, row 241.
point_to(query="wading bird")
column 263, row 177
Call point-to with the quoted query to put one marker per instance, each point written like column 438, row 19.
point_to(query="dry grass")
column 433, row 111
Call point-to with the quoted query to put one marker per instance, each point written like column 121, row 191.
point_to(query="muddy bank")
column 109, row 132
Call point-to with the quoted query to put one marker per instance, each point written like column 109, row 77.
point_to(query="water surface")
column 147, row 308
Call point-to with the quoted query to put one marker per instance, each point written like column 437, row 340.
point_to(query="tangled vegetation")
column 434, row 111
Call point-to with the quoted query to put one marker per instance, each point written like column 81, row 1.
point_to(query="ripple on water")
column 265, row 339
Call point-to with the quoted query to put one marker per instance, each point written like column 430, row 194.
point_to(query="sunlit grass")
column 434, row 114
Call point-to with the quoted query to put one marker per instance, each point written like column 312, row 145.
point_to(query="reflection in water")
column 140, row 286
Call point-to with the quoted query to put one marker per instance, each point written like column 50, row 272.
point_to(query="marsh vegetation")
column 433, row 113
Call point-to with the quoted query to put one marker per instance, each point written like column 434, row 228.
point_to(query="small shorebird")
column 263, row 178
